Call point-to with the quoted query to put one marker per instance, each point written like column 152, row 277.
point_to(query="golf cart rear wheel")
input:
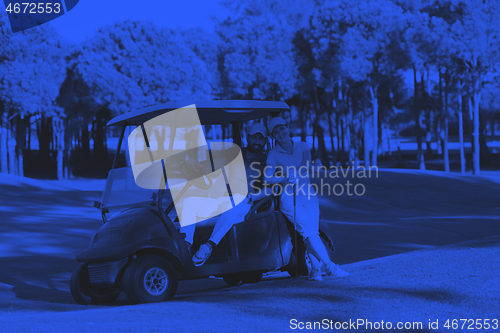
column 150, row 278
column 84, row 293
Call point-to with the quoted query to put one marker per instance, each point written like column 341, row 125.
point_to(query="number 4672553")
column 471, row 324
column 34, row 8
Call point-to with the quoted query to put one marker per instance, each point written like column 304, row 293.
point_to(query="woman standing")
column 288, row 156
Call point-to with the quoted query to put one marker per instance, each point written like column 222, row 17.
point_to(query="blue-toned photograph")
column 250, row 166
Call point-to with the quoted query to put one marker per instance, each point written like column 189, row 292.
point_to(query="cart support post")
column 119, row 146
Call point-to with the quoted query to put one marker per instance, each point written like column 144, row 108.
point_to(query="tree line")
column 351, row 70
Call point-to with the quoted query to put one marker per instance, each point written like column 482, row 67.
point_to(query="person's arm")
column 261, row 193
column 270, row 170
column 306, row 160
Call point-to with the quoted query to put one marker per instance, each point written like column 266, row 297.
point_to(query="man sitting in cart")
column 254, row 158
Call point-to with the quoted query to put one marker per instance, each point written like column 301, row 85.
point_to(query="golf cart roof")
column 210, row 112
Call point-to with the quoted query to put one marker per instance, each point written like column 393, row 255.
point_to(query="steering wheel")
column 196, row 175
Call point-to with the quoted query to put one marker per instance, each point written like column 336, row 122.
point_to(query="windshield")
column 121, row 189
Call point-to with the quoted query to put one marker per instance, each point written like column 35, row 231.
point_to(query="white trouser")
column 225, row 221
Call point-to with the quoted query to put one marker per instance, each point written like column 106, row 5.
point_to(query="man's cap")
column 257, row 128
column 274, row 122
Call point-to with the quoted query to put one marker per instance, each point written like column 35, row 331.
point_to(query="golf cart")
column 139, row 248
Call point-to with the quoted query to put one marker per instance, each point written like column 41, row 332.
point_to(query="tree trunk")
column 338, row 139
column 348, row 137
column 366, row 140
column 445, row 123
column 28, row 142
column 476, row 154
column 374, row 101
column 68, row 148
column 443, row 112
column 303, row 121
column 21, row 143
column 11, row 135
column 485, row 151
column 445, row 146
column 425, row 84
column 43, row 134
column 342, row 134
column 420, row 155
column 85, row 147
column 388, row 136
column 58, row 126
column 461, row 127
column 428, row 133
column 437, row 129
column 4, row 166
column 313, row 150
column 99, row 149
column 321, row 145
column 320, row 132
column 330, row 130
column 398, row 144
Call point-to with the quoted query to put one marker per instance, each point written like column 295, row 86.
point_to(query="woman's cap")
column 257, row 128
column 275, row 122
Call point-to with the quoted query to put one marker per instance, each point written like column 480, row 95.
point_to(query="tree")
column 416, row 42
column 258, row 61
column 207, row 47
column 309, row 92
column 4, row 40
column 442, row 57
column 364, row 30
column 476, row 40
column 127, row 66
column 32, row 70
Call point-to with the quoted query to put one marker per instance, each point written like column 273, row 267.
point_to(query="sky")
column 89, row 15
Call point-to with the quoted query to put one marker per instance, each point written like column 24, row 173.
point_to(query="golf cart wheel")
column 251, row 277
column 232, row 279
column 84, row 293
column 150, row 278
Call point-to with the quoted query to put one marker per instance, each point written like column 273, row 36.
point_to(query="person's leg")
column 228, row 219
column 189, row 231
column 316, row 247
column 193, row 208
column 315, row 263
column 307, row 211
column 315, row 273
column 308, row 226
column 222, row 226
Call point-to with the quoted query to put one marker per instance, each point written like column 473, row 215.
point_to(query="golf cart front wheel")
column 84, row 293
column 150, row 278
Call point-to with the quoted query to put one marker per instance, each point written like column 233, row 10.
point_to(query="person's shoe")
column 202, row 255
column 335, row 271
column 315, row 274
